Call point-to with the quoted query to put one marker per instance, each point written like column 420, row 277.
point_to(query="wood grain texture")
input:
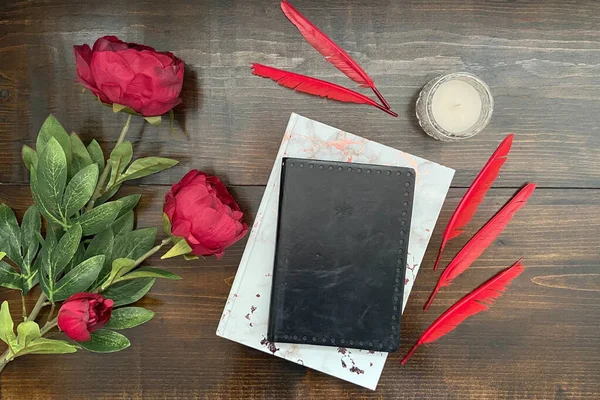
column 542, row 62
column 538, row 341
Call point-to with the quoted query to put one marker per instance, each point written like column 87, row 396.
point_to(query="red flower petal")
column 148, row 81
column 111, row 68
column 109, row 43
column 181, row 228
column 103, row 311
column 82, row 314
column 73, row 318
column 203, row 212
column 159, row 108
column 140, row 61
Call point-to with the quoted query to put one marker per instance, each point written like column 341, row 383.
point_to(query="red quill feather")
column 482, row 239
column 317, row 87
column 330, row 50
column 480, row 299
column 474, row 195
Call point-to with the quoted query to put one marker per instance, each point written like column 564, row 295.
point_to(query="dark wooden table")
column 542, row 62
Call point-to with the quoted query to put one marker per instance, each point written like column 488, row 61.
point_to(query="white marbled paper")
column 246, row 312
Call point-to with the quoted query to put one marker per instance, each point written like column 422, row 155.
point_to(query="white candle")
column 456, row 106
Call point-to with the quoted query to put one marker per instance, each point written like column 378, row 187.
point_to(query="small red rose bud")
column 82, row 314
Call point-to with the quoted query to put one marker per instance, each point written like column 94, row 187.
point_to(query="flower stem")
column 151, row 251
column 49, row 325
column 50, row 313
column 106, row 172
column 24, row 312
column 4, row 359
column 140, row 260
column 38, row 307
column 8, row 354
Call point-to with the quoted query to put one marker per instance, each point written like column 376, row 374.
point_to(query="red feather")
column 478, row 300
column 482, row 239
column 317, row 87
column 329, row 49
column 475, row 194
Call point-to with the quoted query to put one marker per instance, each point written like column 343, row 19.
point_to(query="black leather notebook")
column 340, row 258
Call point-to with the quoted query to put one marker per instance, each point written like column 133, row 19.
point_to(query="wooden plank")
column 540, row 340
column 540, row 58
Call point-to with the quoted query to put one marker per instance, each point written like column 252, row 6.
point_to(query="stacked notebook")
column 343, row 261
column 340, row 254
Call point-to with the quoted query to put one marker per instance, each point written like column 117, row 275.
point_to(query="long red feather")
column 482, row 239
column 478, row 300
column 330, row 50
column 474, row 195
column 314, row 86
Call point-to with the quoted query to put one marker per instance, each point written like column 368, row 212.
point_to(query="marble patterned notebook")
column 246, row 313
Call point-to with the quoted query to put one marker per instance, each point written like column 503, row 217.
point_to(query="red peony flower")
column 130, row 74
column 82, row 314
column 202, row 211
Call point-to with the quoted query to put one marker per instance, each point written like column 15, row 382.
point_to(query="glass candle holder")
column 455, row 106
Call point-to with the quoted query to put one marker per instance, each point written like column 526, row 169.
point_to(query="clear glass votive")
column 455, row 106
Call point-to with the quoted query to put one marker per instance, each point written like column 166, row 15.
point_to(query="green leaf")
column 79, row 190
column 154, row 120
column 77, row 258
column 40, row 201
column 102, row 244
column 30, row 281
column 129, row 317
column 79, row 279
column 125, row 109
column 106, row 341
column 48, row 346
column 54, row 258
column 30, row 243
column 30, row 229
column 180, row 248
column 28, row 331
column 123, row 224
column 99, row 218
column 46, row 283
column 119, row 159
column 96, row 155
column 7, row 333
column 128, row 203
column 135, row 243
column 30, row 157
column 166, row 224
column 149, row 272
column 81, row 157
column 119, row 267
column 9, row 278
column 52, row 176
column 171, row 119
column 117, row 107
column 50, row 240
column 53, row 129
column 65, row 250
column 10, row 234
column 146, row 166
column 128, row 292
column 42, row 262
column 107, row 195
